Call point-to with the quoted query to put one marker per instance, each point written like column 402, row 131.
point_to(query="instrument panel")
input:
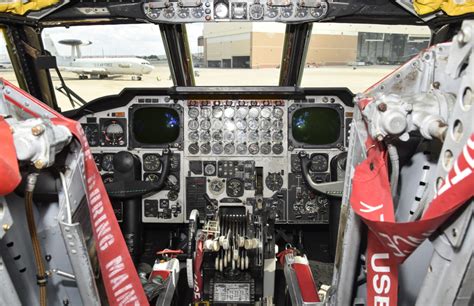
column 225, row 152
column 239, row 10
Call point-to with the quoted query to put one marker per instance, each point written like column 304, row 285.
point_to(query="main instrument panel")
column 225, row 152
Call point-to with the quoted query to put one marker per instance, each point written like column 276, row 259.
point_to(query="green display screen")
column 316, row 125
column 156, row 125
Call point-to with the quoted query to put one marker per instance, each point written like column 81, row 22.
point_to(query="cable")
column 41, row 271
column 395, row 162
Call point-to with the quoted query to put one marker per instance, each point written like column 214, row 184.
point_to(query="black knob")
column 123, row 162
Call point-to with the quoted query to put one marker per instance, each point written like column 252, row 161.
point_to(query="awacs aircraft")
column 98, row 67
column 311, row 163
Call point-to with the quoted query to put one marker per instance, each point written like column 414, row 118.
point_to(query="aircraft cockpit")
column 236, row 152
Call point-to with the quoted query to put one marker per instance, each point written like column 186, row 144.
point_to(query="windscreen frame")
column 292, row 142
column 134, row 143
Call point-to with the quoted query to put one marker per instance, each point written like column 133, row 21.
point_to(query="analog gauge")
column 235, row 187
column 266, row 112
column 169, row 12
column 241, row 148
column 174, row 162
column 319, row 12
column 193, row 148
column 206, row 112
column 98, row 161
column 229, row 112
column 272, row 11
column 239, row 10
column 256, row 11
column 240, row 136
column 278, row 112
column 241, row 124
column 229, row 148
column 172, row 195
column 265, row 124
column 229, row 125
column 91, row 130
column 278, row 136
column 205, row 124
column 108, row 162
column 277, row 124
column 217, row 136
column 193, row 112
column 266, row 148
column 252, row 124
column 266, row 136
column 242, row 112
column 193, row 125
column 151, row 162
column 151, row 10
column 217, row 124
column 205, row 136
column 254, row 112
column 108, row 178
column 216, row 186
column 217, row 112
column 301, row 12
column 221, row 10
column 295, row 163
column 274, row 181
column 319, row 163
column 172, row 182
column 253, row 136
column 183, row 12
column 254, row 148
column 210, row 169
column 193, row 136
column 205, row 148
column 277, row 148
column 151, row 177
column 287, row 11
column 113, row 133
column 229, row 136
column 197, row 12
column 217, row 148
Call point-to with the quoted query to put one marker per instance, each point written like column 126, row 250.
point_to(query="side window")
column 6, row 67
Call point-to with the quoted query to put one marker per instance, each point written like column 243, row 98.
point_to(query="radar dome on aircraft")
column 75, row 42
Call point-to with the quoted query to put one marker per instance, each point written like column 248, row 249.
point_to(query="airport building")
column 260, row 45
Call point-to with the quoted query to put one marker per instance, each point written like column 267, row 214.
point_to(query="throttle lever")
column 334, row 189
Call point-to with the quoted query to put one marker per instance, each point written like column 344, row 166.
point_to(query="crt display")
column 316, row 125
column 155, row 125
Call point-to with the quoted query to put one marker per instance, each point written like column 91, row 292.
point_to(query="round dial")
column 193, row 112
column 229, row 112
column 151, row 10
column 172, row 195
column 217, row 124
column 319, row 163
column 254, row 148
column 151, row 162
column 319, row 12
column 172, row 182
column 193, row 125
column 266, row 136
column 301, row 12
column 254, row 112
column 266, row 112
column 183, row 12
column 108, row 178
column 113, row 133
column 108, row 162
column 205, row 124
column 205, row 148
column 217, row 136
column 193, row 136
column 229, row 148
column 210, row 169
column 205, row 136
column 217, row 148
column 92, row 134
column 287, row 11
column 217, row 112
column 242, row 112
column 169, row 12
column 256, row 11
column 253, row 136
column 228, row 136
column 241, row 124
column 240, row 136
column 241, row 148
column 277, row 124
column 277, row 148
column 198, row 12
column 252, row 124
column 235, row 187
column 266, row 148
column 278, row 112
column 206, row 112
column 278, row 136
column 193, row 148
column 265, row 124
column 229, row 125
column 221, row 10
column 216, row 186
column 274, row 181
column 272, row 12
column 151, row 177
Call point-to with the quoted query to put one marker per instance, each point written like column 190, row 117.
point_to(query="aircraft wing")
column 80, row 70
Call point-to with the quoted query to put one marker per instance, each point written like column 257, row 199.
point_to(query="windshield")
column 358, row 55
column 101, row 60
column 6, row 67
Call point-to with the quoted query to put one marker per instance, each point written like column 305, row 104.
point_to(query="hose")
column 41, row 271
column 395, row 162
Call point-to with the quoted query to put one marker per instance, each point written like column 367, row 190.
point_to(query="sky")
column 118, row 40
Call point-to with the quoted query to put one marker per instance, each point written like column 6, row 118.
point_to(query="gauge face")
column 205, row 136
column 205, row 124
column 209, row 169
column 217, row 148
column 172, row 182
column 206, row 112
column 221, row 10
column 229, row 125
column 253, row 136
column 229, row 136
column 301, row 12
column 235, row 188
column 277, row 136
column 169, row 12
column 274, row 181
column 229, row 112
column 266, row 136
column 151, row 177
column 198, row 12
column 217, row 124
column 241, row 124
column 217, row 136
column 108, row 162
column 287, row 11
column 254, row 148
column 193, row 125
column 272, row 12
column 319, row 163
column 229, row 148
column 92, row 133
column 183, row 12
column 152, row 10
column 239, row 10
column 277, row 124
column 266, row 112
column 193, row 136
column 265, row 124
column 254, row 112
column 319, row 12
column 205, row 148
column 151, row 162
column 113, row 133
column 242, row 112
column 266, row 148
column 193, row 112
column 216, row 186
column 241, row 148
column 217, row 112
column 256, row 11
column 193, row 148
column 277, row 148
column 252, row 124
column 278, row 112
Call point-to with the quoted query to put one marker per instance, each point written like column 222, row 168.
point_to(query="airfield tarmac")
column 357, row 79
